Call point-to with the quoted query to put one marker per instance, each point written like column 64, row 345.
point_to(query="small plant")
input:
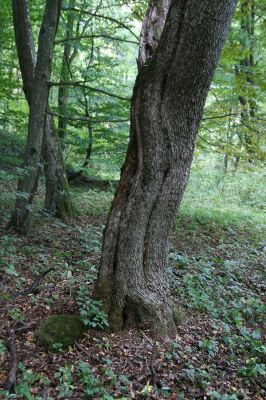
column 10, row 270
column 181, row 261
column 90, row 309
column 16, row 314
column 111, row 376
column 28, row 379
column 90, row 270
column 7, row 245
column 210, row 345
column 253, row 368
column 2, row 347
column 173, row 352
column 57, row 347
column 91, row 384
column 198, row 377
column 214, row 395
column 65, row 376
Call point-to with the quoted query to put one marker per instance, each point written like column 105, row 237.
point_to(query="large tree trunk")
column 57, row 196
column 38, row 97
column 167, row 106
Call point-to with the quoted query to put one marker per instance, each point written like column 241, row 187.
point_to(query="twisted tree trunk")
column 167, row 106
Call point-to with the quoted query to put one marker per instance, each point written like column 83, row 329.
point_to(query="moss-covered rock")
column 62, row 329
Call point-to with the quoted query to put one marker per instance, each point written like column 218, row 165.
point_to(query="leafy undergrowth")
column 217, row 276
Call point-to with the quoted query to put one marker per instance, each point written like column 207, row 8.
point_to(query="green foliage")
column 10, row 270
column 214, row 395
column 91, row 384
column 28, row 379
column 227, row 291
column 2, row 347
column 66, row 383
column 210, row 345
column 61, row 329
column 227, row 199
column 90, row 310
column 253, row 368
column 197, row 377
column 57, row 347
column 16, row 314
column 174, row 351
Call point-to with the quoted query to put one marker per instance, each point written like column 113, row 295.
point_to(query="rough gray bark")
column 25, row 44
column 167, row 106
column 38, row 97
column 57, row 196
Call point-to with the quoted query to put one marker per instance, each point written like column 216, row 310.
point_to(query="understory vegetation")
column 103, row 106
column 216, row 267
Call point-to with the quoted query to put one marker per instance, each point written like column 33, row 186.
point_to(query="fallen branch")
column 32, row 289
column 77, row 178
column 11, row 378
column 23, row 327
column 81, row 348
column 151, row 364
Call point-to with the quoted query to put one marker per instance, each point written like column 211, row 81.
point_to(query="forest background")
column 220, row 224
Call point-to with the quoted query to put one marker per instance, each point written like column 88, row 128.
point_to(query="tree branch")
column 71, row 118
column 93, row 14
column 219, row 116
column 81, row 84
column 95, row 37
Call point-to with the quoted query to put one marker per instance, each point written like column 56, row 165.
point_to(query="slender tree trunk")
column 167, row 106
column 57, row 195
column 89, row 146
column 245, row 77
column 25, row 44
column 87, row 115
column 38, row 97
column 236, row 163
column 64, row 76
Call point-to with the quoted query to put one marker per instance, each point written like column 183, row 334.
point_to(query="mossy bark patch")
column 62, row 329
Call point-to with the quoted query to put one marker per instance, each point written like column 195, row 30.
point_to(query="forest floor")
column 217, row 275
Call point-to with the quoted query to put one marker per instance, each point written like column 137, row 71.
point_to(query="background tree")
column 38, row 97
column 233, row 122
column 57, row 196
